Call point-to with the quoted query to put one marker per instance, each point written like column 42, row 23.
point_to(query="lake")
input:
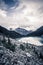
column 33, row 40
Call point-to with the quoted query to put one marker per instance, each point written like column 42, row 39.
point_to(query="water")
column 33, row 40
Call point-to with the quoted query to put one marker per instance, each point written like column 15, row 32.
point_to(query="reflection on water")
column 32, row 40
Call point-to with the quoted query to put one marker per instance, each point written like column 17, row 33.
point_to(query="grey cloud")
column 15, row 14
column 7, row 4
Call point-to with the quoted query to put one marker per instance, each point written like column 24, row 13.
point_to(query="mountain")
column 19, row 32
column 22, row 54
column 22, row 31
column 38, row 32
column 9, row 33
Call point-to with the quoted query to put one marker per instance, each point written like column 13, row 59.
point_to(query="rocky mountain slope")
column 20, row 53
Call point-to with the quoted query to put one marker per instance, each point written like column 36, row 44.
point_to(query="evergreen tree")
column 22, row 47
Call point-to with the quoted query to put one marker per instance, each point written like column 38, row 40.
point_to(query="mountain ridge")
column 14, row 34
column 9, row 33
column 22, row 31
column 37, row 32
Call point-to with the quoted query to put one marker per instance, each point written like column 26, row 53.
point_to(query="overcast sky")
column 14, row 13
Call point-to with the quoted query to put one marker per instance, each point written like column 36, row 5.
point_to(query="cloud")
column 7, row 4
column 23, row 12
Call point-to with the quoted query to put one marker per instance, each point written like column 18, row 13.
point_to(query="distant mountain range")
column 23, row 31
column 19, row 32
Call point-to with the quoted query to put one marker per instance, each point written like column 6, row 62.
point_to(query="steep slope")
column 31, row 55
column 4, row 30
column 9, row 33
column 38, row 32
